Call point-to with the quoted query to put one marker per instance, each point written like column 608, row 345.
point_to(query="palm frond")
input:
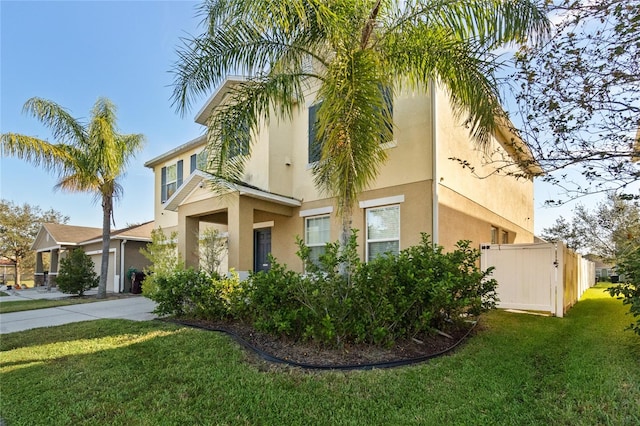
column 490, row 23
column 248, row 38
column 353, row 120
column 359, row 48
column 250, row 105
column 64, row 127
column 36, row 151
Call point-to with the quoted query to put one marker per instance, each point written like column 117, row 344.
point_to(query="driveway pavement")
column 137, row 308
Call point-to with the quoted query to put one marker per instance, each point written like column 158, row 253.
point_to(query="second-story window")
column 315, row 146
column 171, row 179
column 202, row 160
column 239, row 141
column 388, row 100
column 198, row 161
column 193, row 160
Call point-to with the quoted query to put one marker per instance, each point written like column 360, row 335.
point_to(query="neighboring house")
column 419, row 189
column 7, row 268
column 604, row 271
column 54, row 240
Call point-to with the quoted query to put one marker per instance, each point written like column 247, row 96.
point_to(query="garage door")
column 97, row 259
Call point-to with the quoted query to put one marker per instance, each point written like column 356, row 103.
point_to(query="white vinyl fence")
column 545, row 277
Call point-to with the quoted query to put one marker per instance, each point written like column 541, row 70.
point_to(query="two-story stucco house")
column 419, row 189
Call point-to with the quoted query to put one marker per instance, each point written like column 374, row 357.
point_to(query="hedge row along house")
column 55, row 240
column 419, row 189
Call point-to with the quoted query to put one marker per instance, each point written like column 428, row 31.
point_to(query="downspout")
column 122, row 277
column 434, row 167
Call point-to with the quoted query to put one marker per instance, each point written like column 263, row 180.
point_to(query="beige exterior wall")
column 165, row 219
column 468, row 207
column 470, row 202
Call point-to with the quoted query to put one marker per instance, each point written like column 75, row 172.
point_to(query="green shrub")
column 76, row 274
column 326, row 291
column 271, row 301
column 162, row 252
column 339, row 299
column 419, row 290
column 629, row 291
column 188, row 293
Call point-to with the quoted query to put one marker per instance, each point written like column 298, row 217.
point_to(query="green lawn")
column 519, row 370
column 27, row 305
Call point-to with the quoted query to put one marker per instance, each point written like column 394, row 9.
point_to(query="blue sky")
column 73, row 52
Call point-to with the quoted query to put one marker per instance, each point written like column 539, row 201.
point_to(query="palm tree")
column 361, row 51
column 88, row 157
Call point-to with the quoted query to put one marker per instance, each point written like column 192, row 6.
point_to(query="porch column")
column 240, row 226
column 38, row 278
column 188, row 235
column 39, row 264
column 53, row 267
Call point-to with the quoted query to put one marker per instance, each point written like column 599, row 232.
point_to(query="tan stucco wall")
column 499, row 195
column 166, row 219
column 468, row 206
column 460, row 218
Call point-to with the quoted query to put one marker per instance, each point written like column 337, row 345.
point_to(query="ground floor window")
column 317, row 233
column 383, row 231
column 494, row 235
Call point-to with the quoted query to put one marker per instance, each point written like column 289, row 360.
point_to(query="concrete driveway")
column 137, row 308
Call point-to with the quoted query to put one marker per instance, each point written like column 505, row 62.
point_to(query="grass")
column 27, row 305
column 520, row 369
column 31, row 304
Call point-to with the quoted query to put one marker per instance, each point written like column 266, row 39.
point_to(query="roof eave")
column 200, row 140
column 217, row 97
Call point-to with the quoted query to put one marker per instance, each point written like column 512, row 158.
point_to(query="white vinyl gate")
column 537, row 277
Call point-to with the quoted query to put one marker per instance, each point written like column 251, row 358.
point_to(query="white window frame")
column 202, row 160
column 381, row 240
column 174, row 181
column 306, row 228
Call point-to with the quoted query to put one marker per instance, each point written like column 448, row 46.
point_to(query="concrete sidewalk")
column 137, row 308
column 38, row 293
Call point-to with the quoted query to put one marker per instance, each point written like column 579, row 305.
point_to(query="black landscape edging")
column 268, row 357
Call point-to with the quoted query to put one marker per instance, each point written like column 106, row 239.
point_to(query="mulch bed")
column 349, row 355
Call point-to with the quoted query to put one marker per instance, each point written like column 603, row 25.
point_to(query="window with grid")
column 505, row 237
column 383, row 231
column 494, row 235
column 317, row 233
column 171, row 179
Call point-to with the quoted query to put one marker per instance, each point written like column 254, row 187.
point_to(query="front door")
column 262, row 249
